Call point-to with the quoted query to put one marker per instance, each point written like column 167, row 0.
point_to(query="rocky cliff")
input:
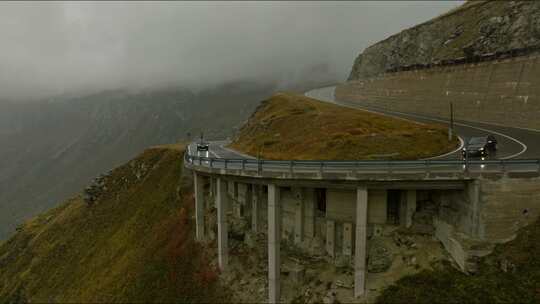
column 475, row 28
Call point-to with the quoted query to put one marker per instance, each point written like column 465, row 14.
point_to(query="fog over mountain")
column 107, row 80
column 50, row 48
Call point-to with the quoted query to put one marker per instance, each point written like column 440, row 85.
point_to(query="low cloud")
column 50, row 48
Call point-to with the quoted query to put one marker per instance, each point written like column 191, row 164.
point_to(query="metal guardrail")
column 368, row 166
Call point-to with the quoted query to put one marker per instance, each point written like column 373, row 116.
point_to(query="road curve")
column 514, row 143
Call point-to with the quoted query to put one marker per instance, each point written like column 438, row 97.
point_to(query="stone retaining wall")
column 500, row 92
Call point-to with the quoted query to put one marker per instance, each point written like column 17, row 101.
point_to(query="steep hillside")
column 289, row 126
column 51, row 149
column 134, row 244
column 478, row 27
column 510, row 275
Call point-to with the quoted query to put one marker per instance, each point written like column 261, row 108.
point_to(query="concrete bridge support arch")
column 274, row 240
column 360, row 254
column 222, row 206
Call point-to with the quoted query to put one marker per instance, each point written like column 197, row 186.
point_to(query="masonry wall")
column 456, row 208
column 470, row 222
column 506, row 205
column 501, row 91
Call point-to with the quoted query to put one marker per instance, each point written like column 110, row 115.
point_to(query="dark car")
column 480, row 146
column 202, row 146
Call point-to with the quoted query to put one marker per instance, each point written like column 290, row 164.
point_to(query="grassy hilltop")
column 134, row 244
column 288, row 126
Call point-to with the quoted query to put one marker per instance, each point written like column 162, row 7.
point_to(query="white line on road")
column 523, row 146
column 215, row 154
column 461, row 144
column 236, row 152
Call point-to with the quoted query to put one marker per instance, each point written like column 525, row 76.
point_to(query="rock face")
column 475, row 28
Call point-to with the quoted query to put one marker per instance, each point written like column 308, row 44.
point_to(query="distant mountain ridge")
column 52, row 149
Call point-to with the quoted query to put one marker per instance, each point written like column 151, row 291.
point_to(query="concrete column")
column 407, row 208
column 298, row 216
column 244, row 196
column 255, row 202
column 198, row 185
column 473, row 193
column 222, row 202
column 347, row 239
column 309, row 212
column 274, row 238
column 238, row 201
column 360, row 242
column 411, row 207
column 232, row 188
column 331, row 238
column 212, row 187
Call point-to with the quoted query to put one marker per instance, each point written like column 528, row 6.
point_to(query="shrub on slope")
column 133, row 245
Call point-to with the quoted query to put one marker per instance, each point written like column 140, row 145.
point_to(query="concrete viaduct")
column 344, row 203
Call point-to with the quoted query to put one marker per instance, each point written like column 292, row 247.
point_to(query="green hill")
column 134, row 244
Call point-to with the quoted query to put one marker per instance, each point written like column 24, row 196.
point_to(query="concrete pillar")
column 212, row 187
column 232, row 188
column 407, row 208
column 222, row 202
column 410, row 207
column 298, row 216
column 360, row 242
column 255, row 202
column 331, row 238
column 473, row 193
column 198, row 185
column 274, row 238
column 347, row 239
column 240, row 192
column 309, row 212
column 243, row 197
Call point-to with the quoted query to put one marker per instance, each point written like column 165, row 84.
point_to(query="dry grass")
column 135, row 244
column 288, row 127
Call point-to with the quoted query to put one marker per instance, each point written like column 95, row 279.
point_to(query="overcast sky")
column 49, row 48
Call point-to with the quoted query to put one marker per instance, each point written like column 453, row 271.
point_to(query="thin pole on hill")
column 451, row 126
